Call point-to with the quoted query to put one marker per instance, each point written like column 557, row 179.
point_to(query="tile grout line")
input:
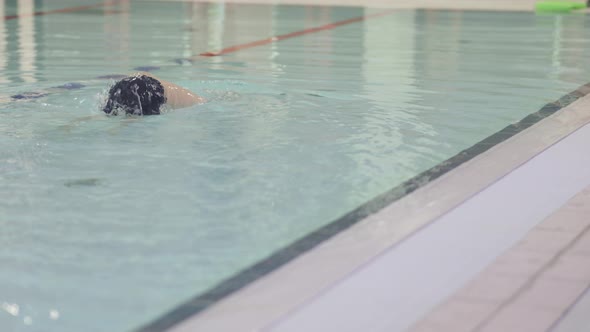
column 531, row 282
column 564, row 314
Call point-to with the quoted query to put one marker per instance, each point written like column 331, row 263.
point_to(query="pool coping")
column 486, row 256
column 534, row 284
column 250, row 296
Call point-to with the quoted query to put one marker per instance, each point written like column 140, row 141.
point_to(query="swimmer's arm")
column 177, row 96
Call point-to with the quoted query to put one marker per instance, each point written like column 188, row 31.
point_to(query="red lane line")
column 269, row 40
column 63, row 10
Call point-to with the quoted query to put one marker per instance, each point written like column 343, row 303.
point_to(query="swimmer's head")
column 135, row 95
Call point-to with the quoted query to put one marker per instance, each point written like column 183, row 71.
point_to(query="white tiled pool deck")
column 576, row 319
column 531, row 286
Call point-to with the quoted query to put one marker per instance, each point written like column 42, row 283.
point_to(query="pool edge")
column 365, row 220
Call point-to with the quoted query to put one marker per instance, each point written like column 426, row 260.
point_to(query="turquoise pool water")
column 107, row 223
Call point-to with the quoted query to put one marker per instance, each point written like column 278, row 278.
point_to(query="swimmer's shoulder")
column 177, row 96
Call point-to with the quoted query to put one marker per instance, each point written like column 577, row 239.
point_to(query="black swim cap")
column 136, row 95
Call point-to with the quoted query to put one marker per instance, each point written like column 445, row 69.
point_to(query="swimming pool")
column 108, row 223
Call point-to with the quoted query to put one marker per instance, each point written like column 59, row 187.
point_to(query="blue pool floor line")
column 30, row 95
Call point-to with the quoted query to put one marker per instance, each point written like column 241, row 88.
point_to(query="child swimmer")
column 144, row 94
